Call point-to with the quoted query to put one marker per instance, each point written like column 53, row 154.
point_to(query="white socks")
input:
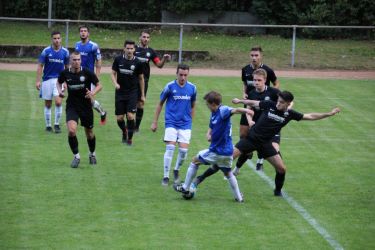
column 168, row 155
column 191, row 172
column 47, row 116
column 233, row 184
column 58, row 112
column 182, row 155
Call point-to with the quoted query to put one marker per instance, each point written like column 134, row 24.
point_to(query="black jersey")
column 271, row 121
column 128, row 72
column 146, row 55
column 269, row 94
column 247, row 76
column 77, row 84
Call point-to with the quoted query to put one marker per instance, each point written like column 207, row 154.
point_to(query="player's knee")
column 130, row 116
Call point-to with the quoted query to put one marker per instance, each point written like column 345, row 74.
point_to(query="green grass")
column 120, row 204
column 226, row 51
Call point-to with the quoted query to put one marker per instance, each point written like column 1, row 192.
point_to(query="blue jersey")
column 90, row 53
column 221, row 131
column 54, row 61
column 179, row 101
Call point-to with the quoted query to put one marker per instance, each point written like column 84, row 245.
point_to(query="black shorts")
column 86, row 116
column 275, row 139
column 265, row 149
column 126, row 104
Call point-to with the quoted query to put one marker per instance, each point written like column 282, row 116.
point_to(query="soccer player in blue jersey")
column 220, row 151
column 146, row 54
column 51, row 62
column 91, row 59
column 180, row 96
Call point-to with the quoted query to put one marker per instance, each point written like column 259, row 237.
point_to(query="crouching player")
column 221, row 148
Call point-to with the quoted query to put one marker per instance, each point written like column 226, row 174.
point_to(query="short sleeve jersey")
column 128, row 72
column 221, row 131
column 90, row 53
column 146, row 55
column 271, row 121
column 77, row 83
column 269, row 94
column 247, row 76
column 179, row 102
column 54, row 61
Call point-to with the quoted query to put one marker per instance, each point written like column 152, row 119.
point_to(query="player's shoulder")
column 190, row 84
column 65, row 50
column 47, row 49
column 247, row 67
column 272, row 90
column 266, row 67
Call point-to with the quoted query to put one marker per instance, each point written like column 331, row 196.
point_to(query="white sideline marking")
column 294, row 204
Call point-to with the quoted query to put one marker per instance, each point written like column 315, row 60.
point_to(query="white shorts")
column 49, row 89
column 210, row 158
column 177, row 135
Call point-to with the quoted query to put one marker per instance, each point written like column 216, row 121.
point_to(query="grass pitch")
column 120, row 204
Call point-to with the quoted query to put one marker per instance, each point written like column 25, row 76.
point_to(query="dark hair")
column 128, row 42
column 183, row 67
column 55, row 33
column 286, row 96
column 144, row 31
column 213, row 97
column 83, row 26
column 260, row 72
column 256, row 48
column 75, row 53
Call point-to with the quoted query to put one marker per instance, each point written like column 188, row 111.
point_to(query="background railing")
column 181, row 27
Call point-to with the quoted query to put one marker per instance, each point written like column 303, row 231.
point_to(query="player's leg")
column 87, row 121
column 209, row 171
column 47, row 95
column 140, row 109
column 58, row 106
column 131, row 109
column 120, row 111
column 170, row 138
column 98, row 107
column 190, row 174
column 244, row 130
column 72, row 122
column 277, row 162
column 183, row 139
column 245, row 151
column 225, row 167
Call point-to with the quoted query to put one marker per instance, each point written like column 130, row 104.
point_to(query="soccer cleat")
column 75, row 162
column 129, row 143
column 57, row 129
column 49, row 129
column 236, row 171
column 241, row 200
column 124, row 137
column 176, row 177
column 259, row 167
column 165, row 181
column 92, row 159
column 277, row 193
column 180, row 188
column 103, row 118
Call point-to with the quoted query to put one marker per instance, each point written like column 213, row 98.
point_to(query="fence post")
column 293, row 44
column 180, row 48
column 49, row 13
column 66, row 33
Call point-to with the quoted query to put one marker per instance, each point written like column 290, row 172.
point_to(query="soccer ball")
column 191, row 193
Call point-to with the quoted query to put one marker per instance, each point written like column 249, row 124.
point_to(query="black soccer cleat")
column 124, row 138
column 176, row 177
column 165, row 181
column 92, row 160
column 277, row 193
column 49, row 129
column 259, row 167
column 180, row 188
column 75, row 162
column 57, row 129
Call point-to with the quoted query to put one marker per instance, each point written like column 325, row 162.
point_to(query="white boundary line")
column 303, row 212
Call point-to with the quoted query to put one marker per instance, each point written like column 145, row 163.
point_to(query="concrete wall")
column 228, row 17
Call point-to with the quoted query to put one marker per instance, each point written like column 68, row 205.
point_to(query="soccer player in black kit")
column 127, row 77
column 79, row 104
column 256, row 56
column 146, row 54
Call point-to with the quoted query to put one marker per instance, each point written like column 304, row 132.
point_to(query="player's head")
column 259, row 78
column 129, row 48
column 75, row 60
column 284, row 99
column 182, row 73
column 84, row 32
column 256, row 55
column 56, row 38
column 144, row 38
column 213, row 100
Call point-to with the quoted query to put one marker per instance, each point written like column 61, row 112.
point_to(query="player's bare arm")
column 193, row 109
column 39, row 71
column 98, row 67
column 114, row 80
column 91, row 94
column 142, row 87
column 159, row 107
column 318, row 116
column 244, row 90
column 59, row 89
column 251, row 103
column 208, row 134
column 165, row 58
column 276, row 84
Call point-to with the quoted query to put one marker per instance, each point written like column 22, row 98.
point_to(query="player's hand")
column 167, row 57
column 37, row 85
column 117, row 86
column 89, row 94
column 154, row 126
column 143, row 99
column 236, row 101
column 335, row 111
column 208, row 136
column 61, row 94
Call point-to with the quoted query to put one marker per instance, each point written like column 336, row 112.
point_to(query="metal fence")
column 182, row 25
